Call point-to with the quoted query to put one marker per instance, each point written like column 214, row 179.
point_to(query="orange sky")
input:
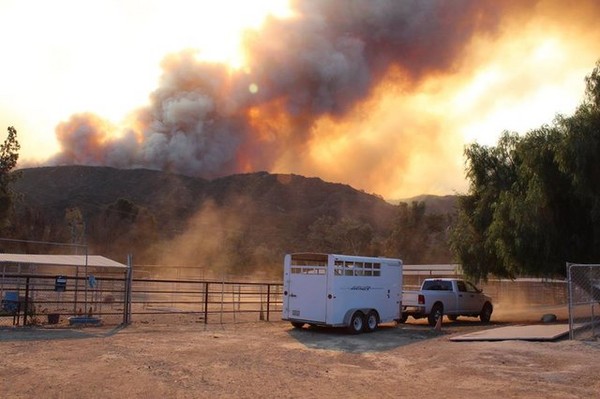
column 399, row 133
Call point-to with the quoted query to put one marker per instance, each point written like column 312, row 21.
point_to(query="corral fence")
column 189, row 296
column 205, row 301
column 42, row 299
column 584, row 301
column 61, row 300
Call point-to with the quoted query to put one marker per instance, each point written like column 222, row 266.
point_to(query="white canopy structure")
column 62, row 260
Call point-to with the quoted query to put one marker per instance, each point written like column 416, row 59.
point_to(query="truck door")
column 470, row 298
column 476, row 298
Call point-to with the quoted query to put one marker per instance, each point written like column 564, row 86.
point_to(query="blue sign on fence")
column 60, row 284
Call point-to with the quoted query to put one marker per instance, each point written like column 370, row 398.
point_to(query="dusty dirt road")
column 271, row 359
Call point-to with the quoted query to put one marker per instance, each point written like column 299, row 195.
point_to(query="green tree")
column 9, row 154
column 417, row 237
column 534, row 200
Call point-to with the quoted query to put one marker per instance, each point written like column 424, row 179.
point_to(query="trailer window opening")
column 306, row 262
column 309, row 264
column 352, row 268
column 315, row 270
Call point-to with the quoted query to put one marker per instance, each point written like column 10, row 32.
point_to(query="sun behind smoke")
column 374, row 94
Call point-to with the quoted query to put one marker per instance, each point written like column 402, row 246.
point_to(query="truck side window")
column 472, row 288
column 461, row 286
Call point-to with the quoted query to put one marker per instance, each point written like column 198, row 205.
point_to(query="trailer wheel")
column 486, row 313
column 371, row 321
column 357, row 322
column 436, row 312
column 297, row 324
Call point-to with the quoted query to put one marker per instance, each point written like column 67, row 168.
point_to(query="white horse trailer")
column 356, row 292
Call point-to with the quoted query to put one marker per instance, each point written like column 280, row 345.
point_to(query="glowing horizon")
column 403, row 139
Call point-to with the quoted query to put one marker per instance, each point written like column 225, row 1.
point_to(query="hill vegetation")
column 238, row 224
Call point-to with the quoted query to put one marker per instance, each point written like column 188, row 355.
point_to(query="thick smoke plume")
column 315, row 68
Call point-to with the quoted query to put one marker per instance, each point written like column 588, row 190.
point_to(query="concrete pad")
column 538, row 332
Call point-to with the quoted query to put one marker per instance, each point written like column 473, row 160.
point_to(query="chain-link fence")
column 584, row 301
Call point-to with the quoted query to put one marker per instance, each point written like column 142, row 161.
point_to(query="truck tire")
column 357, row 322
column 402, row 319
column 452, row 317
column 297, row 324
column 437, row 311
column 486, row 313
column 371, row 321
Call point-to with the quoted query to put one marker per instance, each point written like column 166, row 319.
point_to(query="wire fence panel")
column 50, row 300
column 584, row 300
column 204, row 301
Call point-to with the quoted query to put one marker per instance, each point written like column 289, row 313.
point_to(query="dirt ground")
column 272, row 359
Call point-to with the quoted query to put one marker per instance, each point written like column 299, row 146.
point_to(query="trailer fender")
column 350, row 312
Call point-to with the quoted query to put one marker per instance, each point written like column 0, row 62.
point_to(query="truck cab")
column 446, row 296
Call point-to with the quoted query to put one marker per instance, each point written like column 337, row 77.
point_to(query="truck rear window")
column 437, row 285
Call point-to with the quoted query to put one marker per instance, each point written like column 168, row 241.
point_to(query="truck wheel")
column 402, row 319
column 371, row 321
column 297, row 324
column 486, row 313
column 452, row 317
column 357, row 322
column 436, row 312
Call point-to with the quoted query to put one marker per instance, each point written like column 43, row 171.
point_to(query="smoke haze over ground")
column 369, row 93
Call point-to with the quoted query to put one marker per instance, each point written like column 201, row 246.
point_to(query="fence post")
column 206, row 302
column 127, row 291
column 570, row 300
column 26, row 301
column 591, row 280
column 268, row 300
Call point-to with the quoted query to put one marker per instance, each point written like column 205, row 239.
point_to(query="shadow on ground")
column 45, row 334
column 385, row 338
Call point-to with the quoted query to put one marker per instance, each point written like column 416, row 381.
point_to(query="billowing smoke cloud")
column 205, row 120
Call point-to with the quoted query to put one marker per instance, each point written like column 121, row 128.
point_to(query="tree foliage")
column 9, row 154
column 346, row 235
column 534, row 200
column 417, row 237
column 121, row 228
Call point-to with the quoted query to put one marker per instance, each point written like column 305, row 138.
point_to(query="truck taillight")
column 421, row 299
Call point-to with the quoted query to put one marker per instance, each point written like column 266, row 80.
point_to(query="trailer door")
column 307, row 297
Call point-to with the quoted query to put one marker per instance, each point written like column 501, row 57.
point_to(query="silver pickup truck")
column 446, row 296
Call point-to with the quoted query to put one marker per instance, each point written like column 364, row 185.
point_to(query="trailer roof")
column 311, row 256
column 62, row 260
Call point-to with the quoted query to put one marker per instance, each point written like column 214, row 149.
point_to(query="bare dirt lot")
column 271, row 359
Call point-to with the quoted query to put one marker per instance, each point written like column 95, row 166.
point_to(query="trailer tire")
column 371, row 321
column 437, row 311
column 297, row 324
column 357, row 322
